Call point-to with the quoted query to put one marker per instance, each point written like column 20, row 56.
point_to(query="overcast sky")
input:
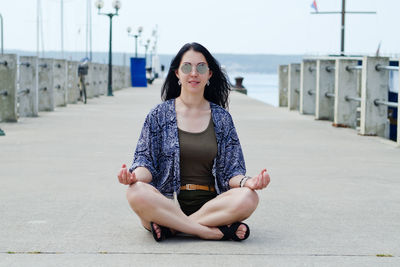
column 247, row 27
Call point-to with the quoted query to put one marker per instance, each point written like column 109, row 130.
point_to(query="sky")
column 239, row 27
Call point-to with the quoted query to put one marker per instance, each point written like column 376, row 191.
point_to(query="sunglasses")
column 201, row 68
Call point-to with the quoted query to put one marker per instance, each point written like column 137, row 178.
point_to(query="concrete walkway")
column 334, row 198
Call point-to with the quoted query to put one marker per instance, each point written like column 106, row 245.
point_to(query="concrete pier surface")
column 334, row 197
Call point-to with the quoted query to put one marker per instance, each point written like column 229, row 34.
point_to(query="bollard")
column 28, row 97
column 72, row 82
column 45, row 85
column 307, row 87
column 283, row 85
column 60, row 74
column 127, row 77
column 398, row 113
column 375, row 84
column 8, row 87
column 89, row 81
column 345, row 110
column 325, row 88
column 293, row 86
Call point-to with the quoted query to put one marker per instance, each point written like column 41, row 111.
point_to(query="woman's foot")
column 161, row 232
column 237, row 231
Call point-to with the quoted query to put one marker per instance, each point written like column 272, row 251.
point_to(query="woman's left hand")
column 258, row 182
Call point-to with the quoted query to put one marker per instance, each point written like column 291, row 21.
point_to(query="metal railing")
column 380, row 67
column 4, row 93
column 24, row 92
column 351, row 98
column 329, row 95
column 378, row 102
column 27, row 64
column 5, row 63
column 354, row 67
column 311, row 92
column 330, row 68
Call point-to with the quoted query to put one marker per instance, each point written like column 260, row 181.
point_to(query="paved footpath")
column 334, row 198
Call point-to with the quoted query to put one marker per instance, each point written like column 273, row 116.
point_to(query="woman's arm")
column 256, row 183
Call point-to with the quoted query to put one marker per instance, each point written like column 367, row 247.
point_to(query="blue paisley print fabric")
column 158, row 149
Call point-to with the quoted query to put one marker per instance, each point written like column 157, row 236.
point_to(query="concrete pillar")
column 283, row 85
column 45, row 87
column 325, row 88
column 101, row 79
column 398, row 113
column 294, row 86
column 94, row 80
column 307, row 86
column 72, row 82
column 28, row 95
column 375, row 84
column 60, row 74
column 8, row 87
column 128, row 77
column 89, row 81
column 345, row 111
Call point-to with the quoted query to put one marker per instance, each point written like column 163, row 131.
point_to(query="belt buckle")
column 187, row 186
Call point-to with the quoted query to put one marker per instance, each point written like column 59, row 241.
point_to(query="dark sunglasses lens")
column 202, row 68
column 186, row 68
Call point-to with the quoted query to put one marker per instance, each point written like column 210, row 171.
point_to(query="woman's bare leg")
column 151, row 206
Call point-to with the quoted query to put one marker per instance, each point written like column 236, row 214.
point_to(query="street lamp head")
column 129, row 29
column 99, row 4
column 116, row 4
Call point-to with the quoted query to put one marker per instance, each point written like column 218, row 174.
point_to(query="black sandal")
column 165, row 232
column 230, row 231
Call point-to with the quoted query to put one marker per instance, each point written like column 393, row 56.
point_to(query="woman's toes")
column 241, row 231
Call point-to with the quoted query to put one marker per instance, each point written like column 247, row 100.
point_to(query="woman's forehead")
column 192, row 56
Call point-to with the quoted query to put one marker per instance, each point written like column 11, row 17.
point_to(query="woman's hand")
column 258, row 182
column 125, row 177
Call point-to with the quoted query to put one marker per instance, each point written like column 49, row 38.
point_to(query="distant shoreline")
column 244, row 63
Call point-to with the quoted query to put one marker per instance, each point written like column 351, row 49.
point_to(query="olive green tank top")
column 197, row 153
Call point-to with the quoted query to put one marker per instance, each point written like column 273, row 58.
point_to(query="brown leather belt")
column 198, row 187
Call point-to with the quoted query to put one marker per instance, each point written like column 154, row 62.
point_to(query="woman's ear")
column 210, row 74
column 177, row 74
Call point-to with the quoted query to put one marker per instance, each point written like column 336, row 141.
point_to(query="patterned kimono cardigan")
column 158, row 149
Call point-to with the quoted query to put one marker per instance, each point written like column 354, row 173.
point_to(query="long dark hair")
column 219, row 88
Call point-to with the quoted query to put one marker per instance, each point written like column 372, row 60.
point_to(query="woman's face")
column 193, row 72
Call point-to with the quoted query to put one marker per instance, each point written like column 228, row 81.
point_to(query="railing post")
column 8, row 87
column 72, row 82
column 60, row 82
column 307, row 85
column 28, row 85
column 375, row 84
column 324, row 105
column 293, row 86
column 46, row 85
column 283, row 85
column 345, row 112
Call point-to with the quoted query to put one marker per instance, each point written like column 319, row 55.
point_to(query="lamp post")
column 1, row 20
column 117, row 5
column 139, row 31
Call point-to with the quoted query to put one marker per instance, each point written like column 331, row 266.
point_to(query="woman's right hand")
column 126, row 177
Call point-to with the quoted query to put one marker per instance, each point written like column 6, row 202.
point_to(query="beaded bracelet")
column 243, row 180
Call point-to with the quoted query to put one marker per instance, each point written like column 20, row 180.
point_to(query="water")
column 260, row 86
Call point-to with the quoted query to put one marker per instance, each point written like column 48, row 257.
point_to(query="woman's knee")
column 138, row 195
column 247, row 200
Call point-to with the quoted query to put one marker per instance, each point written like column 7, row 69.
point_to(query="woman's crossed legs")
column 151, row 206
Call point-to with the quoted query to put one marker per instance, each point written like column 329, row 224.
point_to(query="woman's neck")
column 193, row 101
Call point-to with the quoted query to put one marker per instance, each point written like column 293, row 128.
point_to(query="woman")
column 189, row 151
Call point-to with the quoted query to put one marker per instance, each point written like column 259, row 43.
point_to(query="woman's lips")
column 194, row 82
